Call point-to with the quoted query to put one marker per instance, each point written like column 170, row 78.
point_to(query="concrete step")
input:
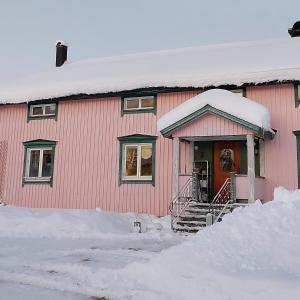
column 190, row 223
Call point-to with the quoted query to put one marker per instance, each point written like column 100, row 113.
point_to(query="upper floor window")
column 42, row 111
column 297, row 94
column 39, row 161
column 239, row 92
column 139, row 104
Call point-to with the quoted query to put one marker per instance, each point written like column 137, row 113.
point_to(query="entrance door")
column 227, row 159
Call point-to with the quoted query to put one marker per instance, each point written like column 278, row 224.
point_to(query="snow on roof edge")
column 240, row 107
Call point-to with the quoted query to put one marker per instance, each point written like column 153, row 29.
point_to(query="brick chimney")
column 61, row 53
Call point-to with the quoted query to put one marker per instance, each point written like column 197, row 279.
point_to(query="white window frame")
column 238, row 91
column 139, row 154
column 27, row 167
column 140, row 103
column 43, row 106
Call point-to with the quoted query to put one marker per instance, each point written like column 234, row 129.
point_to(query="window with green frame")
column 138, row 104
column 42, row 111
column 38, row 161
column 297, row 134
column 297, row 94
column 137, row 159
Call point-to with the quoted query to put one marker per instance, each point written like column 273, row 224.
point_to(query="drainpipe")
column 251, row 167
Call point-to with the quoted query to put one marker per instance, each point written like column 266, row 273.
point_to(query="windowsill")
column 137, row 181
column 41, row 117
column 137, row 111
column 37, row 181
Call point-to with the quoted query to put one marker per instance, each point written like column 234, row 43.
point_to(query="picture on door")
column 227, row 160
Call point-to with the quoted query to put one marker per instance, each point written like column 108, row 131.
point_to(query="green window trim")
column 37, row 144
column 137, row 111
column 297, row 94
column 297, row 134
column 41, row 117
column 137, row 139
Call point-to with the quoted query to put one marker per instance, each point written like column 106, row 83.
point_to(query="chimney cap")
column 61, row 43
column 295, row 30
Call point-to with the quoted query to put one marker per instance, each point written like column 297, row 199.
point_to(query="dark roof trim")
column 209, row 109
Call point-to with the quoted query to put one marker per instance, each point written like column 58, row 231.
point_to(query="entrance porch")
column 218, row 156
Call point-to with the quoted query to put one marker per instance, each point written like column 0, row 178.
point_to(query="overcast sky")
column 95, row 28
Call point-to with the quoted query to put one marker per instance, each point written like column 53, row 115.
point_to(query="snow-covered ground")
column 254, row 253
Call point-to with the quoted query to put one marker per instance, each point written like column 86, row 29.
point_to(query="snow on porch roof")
column 204, row 66
column 244, row 111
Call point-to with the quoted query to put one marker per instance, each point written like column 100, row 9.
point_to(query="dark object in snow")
column 137, row 226
column 295, row 30
column 61, row 53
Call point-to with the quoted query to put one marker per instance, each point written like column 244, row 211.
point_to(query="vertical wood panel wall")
column 86, row 164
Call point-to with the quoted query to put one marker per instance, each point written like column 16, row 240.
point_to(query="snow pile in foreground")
column 254, row 253
column 224, row 100
column 62, row 223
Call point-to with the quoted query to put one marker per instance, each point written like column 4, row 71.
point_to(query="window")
column 39, row 161
column 297, row 94
column 238, row 92
column 42, row 111
column 297, row 134
column 137, row 159
column 139, row 104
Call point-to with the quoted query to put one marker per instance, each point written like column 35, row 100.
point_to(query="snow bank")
column 59, row 223
column 252, row 254
column 224, row 100
column 204, row 66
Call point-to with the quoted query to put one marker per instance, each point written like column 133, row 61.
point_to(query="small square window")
column 138, row 104
column 42, row 111
column 238, row 92
column 297, row 94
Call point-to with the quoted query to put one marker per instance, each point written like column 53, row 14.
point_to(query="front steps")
column 194, row 217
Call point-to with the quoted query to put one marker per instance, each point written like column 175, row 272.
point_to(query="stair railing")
column 221, row 201
column 181, row 201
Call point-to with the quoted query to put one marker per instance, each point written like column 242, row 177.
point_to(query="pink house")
column 127, row 133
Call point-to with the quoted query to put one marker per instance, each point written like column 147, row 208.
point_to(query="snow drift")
column 72, row 223
column 252, row 254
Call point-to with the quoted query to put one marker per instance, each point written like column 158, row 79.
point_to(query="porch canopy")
column 242, row 111
column 217, row 114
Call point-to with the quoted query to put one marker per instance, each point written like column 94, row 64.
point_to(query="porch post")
column 191, row 157
column 262, row 158
column 251, row 167
column 175, row 188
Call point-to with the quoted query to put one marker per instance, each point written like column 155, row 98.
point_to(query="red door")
column 227, row 159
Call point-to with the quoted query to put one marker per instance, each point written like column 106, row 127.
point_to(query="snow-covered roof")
column 224, row 64
column 222, row 101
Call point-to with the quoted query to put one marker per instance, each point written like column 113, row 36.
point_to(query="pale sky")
column 96, row 28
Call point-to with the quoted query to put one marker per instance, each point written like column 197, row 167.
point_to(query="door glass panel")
column 47, row 163
column 146, row 160
column 37, row 110
column 50, row 109
column 131, row 161
column 134, row 103
column 34, row 163
column 227, row 160
column 147, row 102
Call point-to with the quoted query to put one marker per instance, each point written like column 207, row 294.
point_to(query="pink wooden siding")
column 280, row 153
column 86, row 164
column 242, row 187
column 210, row 125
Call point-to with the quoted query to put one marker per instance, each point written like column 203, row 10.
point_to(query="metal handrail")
column 184, row 193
